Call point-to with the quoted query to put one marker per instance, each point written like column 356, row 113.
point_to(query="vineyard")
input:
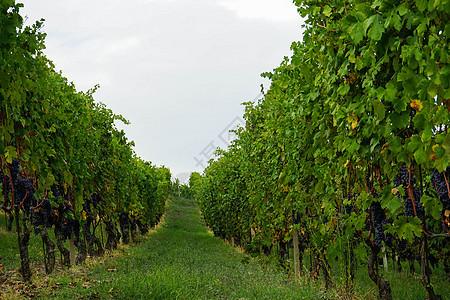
column 341, row 171
column 66, row 172
column 346, row 158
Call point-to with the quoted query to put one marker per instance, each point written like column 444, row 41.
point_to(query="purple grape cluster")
column 24, row 192
column 378, row 220
column 69, row 227
column 47, row 213
column 439, row 184
column 43, row 215
column 403, row 177
column 405, row 180
column 409, row 208
column 23, row 187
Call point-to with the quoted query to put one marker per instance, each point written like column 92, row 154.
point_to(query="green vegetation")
column 65, row 168
column 348, row 152
column 344, row 165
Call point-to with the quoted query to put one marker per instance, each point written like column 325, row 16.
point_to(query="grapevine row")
column 350, row 146
column 64, row 165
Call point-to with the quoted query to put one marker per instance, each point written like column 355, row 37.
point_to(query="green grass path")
column 182, row 260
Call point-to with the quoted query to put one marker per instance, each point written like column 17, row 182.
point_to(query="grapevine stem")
column 23, row 200
column 410, row 192
column 446, row 182
column 324, row 27
column 38, row 204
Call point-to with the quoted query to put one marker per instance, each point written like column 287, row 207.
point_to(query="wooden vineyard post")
column 296, row 255
column 385, row 261
column 71, row 240
column 72, row 250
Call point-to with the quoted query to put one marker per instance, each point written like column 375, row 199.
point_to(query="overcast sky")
column 178, row 70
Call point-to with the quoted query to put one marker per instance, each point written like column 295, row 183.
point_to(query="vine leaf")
column 409, row 227
column 357, row 32
column 446, row 145
column 432, row 206
column 392, row 203
column 377, row 30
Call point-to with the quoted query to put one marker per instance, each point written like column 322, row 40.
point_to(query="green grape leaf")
column 421, row 4
column 377, row 30
column 414, row 143
column 432, row 206
column 327, row 10
column 446, row 145
column 421, row 156
column 357, row 32
column 392, row 203
column 408, row 227
column 379, row 110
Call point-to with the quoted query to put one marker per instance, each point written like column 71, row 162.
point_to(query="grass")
column 179, row 260
column 9, row 249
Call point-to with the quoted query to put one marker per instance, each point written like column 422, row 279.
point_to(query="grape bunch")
column 21, row 187
column 91, row 203
column 412, row 208
column 388, row 238
column 378, row 220
column 43, row 215
column 440, row 182
column 36, row 224
column 417, row 207
column 403, row 177
column 59, row 192
column 24, row 192
column 48, row 214
column 440, row 185
column 69, row 227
